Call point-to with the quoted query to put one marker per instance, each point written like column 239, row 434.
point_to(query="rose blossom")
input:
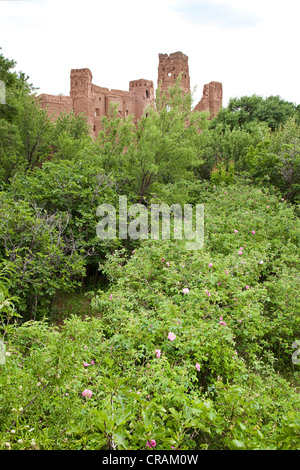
column 158, row 352
column 171, row 336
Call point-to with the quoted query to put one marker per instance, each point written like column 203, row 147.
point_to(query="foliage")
column 31, row 242
column 241, row 111
column 139, row 344
column 69, row 136
column 276, row 162
column 217, row 385
column 162, row 148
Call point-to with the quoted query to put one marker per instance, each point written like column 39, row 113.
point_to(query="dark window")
column 147, row 94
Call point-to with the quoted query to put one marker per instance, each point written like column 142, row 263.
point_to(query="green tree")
column 70, row 136
column 35, row 127
column 276, row 161
column 114, row 142
column 223, row 146
column 241, row 111
column 13, row 82
column 166, row 143
column 10, row 157
column 24, row 126
column 43, row 260
column 74, row 189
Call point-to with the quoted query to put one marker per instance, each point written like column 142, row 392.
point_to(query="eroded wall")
column 212, row 98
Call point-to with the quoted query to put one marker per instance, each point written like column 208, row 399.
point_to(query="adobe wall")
column 56, row 104
column 95, row 101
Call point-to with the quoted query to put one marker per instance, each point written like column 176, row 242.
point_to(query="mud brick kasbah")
column 94, row 100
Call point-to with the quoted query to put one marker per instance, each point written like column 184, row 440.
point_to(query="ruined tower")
column 141, row 96
column 212, row 99
column 170, row 66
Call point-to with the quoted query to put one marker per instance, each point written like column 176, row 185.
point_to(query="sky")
column 251, row 46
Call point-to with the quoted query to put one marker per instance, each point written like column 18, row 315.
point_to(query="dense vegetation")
column 139, row 344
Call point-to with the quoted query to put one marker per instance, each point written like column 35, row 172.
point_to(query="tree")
column 32, row 242
column 241, row 111
column 69, row 136
column 166, row 143
column 14, row 82
column 10, row 158
column 114, row 143
column 76, row 189
column 24, row 126
column 276, row 161
column 34, row 126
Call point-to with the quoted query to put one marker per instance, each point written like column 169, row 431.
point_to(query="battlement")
column 83, row 71
column 55, row 104
column 139, row 83
column 173, row 56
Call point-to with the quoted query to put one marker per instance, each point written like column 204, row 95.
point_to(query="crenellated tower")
column 81, row 93
column 141, row 96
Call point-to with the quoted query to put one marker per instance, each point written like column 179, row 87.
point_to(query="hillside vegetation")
column 124, row 343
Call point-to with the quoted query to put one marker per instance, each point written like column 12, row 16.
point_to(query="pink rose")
column 171, row 336
column 158, row 353
column 152, row 443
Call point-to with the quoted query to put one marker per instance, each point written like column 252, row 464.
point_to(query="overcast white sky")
column 251, row 46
